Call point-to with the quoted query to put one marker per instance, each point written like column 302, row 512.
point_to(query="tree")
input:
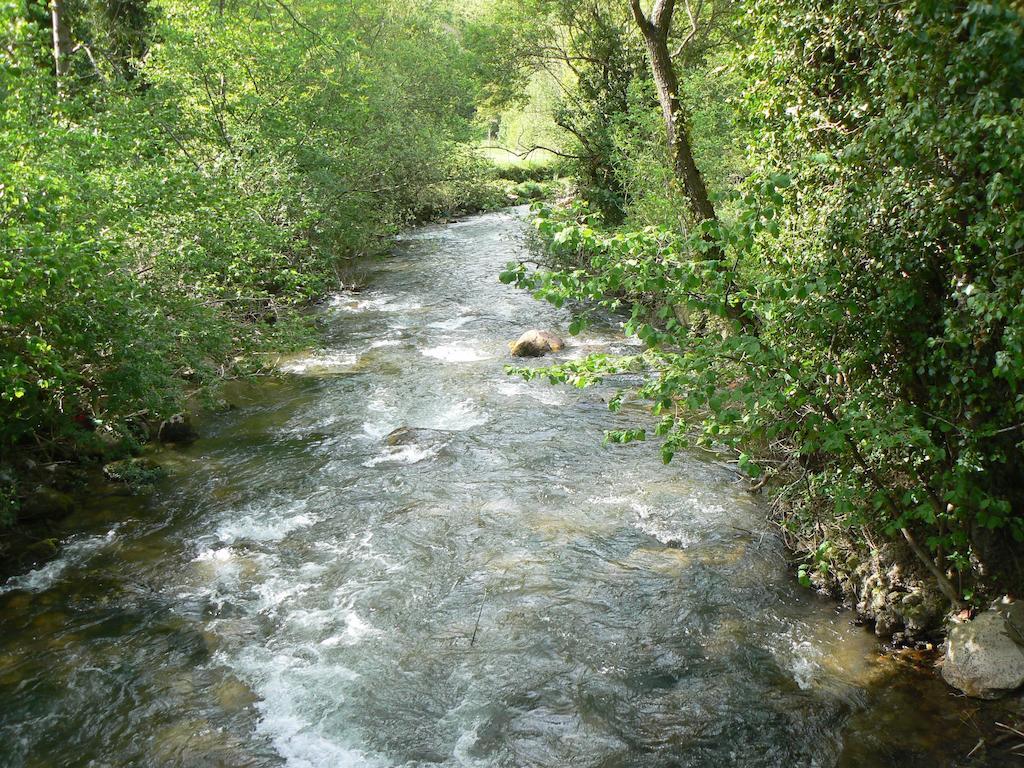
column 61, row 40
column 877, row 244
column 655, row 30
column 166, row 229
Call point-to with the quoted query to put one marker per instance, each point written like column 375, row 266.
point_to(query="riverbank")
column 43, row 477
column 717, row 383
column 179, row 185
column 501, row 586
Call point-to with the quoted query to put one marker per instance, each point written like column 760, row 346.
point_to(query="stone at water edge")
column 985, row 656
column 134, row 472
column 535, row 343
column 46, row 502
column 177, row 429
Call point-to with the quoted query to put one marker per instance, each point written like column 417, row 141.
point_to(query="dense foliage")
column 198, row 173
column 852, row 321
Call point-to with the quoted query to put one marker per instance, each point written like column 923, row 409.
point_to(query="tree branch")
column 661, row 16
column 641, row 19
column 533, row 149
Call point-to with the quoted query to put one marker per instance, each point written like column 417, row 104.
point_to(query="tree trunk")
column 61, row 40
column 655, row 31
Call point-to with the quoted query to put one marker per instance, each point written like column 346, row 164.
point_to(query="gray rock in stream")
column 985, row 656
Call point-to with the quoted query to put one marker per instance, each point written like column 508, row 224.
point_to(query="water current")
column 491, row 586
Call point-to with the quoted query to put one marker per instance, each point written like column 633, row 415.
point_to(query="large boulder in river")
column 985, row 656
column 535, row 343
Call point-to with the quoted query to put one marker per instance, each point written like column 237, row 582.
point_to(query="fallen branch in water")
column 479, row 613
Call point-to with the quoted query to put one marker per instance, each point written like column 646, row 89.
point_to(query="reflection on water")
column 495, row 588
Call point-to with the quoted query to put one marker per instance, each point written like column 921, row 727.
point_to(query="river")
column 495, row 588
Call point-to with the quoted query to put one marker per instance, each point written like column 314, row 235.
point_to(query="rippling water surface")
column 492, row 588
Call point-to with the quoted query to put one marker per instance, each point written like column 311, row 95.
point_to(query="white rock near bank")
column 985, row 656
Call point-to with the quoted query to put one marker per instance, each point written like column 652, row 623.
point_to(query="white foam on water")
column 662, row 525
column 379, row 405
column 379, row 429
column 447, row 416
column 539, row 391
column 803, row 661
column 404, row 454
column 611, row 501
column 356, row 628
column 459, row 417
column 454, row 323
column 219, row 570
column 457, row 352
column 221, row 555
column 319, row 364
column 302, row 748
column 468, row 738
column 361, row 547
column 373, row 301
column 217, row 562
column 273, row 593
column 293, row 711
column 312, row 570
column 254, row 528
column 577, row 347
column 354, row 632
column 75, row 551
column 385, row 343
column 263, row 524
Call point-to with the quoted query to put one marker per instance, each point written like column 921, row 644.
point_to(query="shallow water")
column 500, row 589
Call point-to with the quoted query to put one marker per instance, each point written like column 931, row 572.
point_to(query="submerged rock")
column 177, row 429
column 985, row 656
column 233, row 695
column 414, row 436
column 535, row 343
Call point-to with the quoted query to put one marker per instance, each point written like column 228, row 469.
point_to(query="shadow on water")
column 492, row 587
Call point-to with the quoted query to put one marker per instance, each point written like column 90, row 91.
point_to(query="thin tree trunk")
column 655, row 30
column 61, row 40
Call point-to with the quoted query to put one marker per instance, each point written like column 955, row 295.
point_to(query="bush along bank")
column 488, row 186
column 177, row 185
column 839, row 450
column 841, row 306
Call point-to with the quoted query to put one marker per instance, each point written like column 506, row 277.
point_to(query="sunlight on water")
column 458, row 352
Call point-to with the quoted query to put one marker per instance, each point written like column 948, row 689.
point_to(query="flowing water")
column 493, row 587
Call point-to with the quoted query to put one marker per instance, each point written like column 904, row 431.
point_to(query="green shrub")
column 197, row 177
